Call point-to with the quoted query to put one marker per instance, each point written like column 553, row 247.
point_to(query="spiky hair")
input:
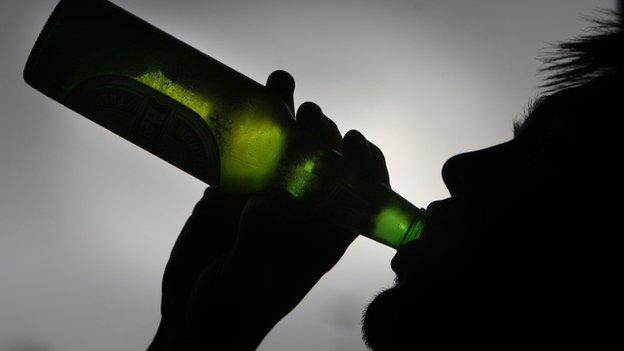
column 598, row 53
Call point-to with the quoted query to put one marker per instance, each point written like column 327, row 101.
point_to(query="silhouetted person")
column 523, row 252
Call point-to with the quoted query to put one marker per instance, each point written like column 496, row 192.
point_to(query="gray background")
column 87, row 219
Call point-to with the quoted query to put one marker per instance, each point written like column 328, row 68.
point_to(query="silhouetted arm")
column 269, row 252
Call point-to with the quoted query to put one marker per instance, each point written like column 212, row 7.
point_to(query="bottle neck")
column 319, row 177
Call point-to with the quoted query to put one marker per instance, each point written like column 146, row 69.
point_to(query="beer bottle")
column 201, row 116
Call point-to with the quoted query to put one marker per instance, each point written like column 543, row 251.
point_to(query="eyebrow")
column 531, row 113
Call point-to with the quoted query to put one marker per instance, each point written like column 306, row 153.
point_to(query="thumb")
column 269, row 216
column 282, row 231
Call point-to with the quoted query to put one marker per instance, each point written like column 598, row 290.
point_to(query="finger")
column 318, row 127
column 364, row 159
column 277, row 219
column 334, row 136
column 356, row 153
column 282, row 85
column 355, row 147
column 282, row 237
column 378, row 164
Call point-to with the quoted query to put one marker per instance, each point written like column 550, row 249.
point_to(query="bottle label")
column 151, row 120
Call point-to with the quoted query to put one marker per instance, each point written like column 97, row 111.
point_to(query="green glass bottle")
column 201, row 116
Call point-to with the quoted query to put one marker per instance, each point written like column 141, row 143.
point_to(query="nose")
column 469, row 174
column 472, row 178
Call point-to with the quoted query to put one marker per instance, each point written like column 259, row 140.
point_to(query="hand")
column 242, row 263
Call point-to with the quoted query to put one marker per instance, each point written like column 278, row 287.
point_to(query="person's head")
column 520, row 247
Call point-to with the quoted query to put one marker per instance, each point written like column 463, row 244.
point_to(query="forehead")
column 547, row 114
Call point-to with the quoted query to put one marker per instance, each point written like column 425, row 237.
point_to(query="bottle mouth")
column 415, row 228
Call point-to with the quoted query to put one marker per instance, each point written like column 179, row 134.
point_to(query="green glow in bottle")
column 201, row 116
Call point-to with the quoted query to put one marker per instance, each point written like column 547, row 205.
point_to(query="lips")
column 442, row 236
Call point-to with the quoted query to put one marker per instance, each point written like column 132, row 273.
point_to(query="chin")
column 407, row 316
column 381, row 326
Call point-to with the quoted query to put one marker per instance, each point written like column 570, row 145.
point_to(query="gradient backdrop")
column 87, row 219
